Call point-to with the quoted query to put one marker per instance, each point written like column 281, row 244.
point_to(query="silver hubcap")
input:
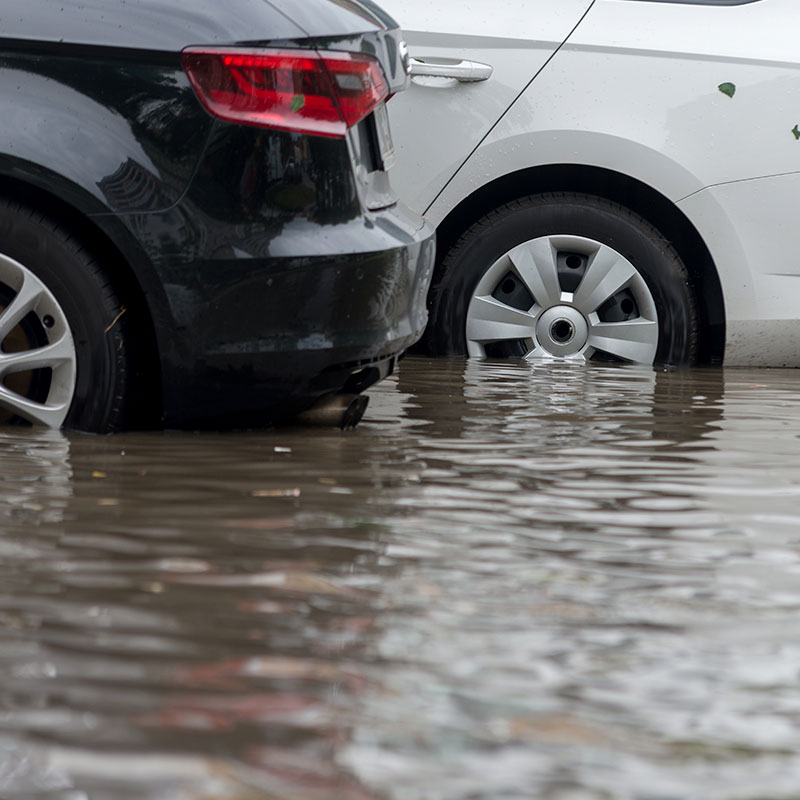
column 564, row 297
column 23, row 358
column 562, row 330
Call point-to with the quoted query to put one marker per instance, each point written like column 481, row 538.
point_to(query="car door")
column 470, row 61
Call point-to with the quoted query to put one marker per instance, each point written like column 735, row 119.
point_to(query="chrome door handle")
column 464, row 71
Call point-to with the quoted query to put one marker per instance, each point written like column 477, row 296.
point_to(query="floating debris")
column 275, row 493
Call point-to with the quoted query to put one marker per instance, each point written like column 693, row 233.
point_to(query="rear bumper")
column 273, row 280
column 257, row 339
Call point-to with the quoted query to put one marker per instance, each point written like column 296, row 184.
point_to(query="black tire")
column 554, row 214
column 94, row 313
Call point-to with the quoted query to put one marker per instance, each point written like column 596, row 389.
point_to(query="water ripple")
column 512, row 581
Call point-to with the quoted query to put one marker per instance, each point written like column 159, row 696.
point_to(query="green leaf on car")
column 796, row 132
column 727, row 88
column 298, row 101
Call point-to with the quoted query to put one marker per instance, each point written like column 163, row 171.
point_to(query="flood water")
column 509, row 582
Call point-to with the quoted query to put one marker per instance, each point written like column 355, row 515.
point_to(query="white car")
column 613, row 180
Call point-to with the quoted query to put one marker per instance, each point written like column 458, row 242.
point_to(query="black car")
column 196, row 222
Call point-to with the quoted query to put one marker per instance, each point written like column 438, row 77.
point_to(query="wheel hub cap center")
column 562, row 331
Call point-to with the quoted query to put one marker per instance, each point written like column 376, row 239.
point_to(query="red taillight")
column 295, row 90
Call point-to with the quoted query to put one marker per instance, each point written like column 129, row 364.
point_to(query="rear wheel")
column 63, row 354
column 564, row 276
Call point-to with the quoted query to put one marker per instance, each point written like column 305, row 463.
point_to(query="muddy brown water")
column 509, row 582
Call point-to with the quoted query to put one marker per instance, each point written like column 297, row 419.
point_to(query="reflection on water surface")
column 508, row 582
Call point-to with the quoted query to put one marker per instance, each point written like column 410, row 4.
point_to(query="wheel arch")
column 662, row 213
column 106, row 246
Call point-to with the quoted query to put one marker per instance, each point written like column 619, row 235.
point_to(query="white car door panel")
column 635, row 91
column 511, row 40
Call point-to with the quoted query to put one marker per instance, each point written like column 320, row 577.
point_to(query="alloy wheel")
column 37, row 352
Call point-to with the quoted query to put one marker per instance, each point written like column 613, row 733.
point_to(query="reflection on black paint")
column 155, row 104
column 262, row 181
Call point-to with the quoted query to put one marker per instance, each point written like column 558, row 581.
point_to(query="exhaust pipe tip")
column 343, row 411
column 354, row 412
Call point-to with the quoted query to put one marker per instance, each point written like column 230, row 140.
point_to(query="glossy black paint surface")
column 318, row 20
column 153, row 25
column 156, row 25
column 255, row 254
column 127, row 132
column 270, row 252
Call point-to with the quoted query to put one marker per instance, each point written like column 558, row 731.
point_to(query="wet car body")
column 655, row 140
column 257, row 269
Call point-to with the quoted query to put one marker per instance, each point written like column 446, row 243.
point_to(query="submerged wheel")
column 564, row 276
column 63, row 355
